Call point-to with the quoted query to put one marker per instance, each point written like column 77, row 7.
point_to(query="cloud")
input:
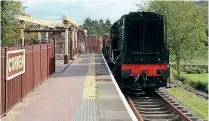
column 79, row 9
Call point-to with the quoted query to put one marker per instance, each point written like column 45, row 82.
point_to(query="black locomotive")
column 138, row 54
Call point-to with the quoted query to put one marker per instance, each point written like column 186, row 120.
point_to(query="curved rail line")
column 197, row 92
column 157, row 106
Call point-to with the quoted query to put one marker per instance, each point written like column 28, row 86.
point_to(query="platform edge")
column 130, row 111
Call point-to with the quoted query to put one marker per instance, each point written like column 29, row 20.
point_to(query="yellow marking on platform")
column 90, row 82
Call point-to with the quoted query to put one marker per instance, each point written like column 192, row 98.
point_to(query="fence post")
column 33, row 68
column 22, row 80
column 47, row 61
column 54, row 55
column 5, row 61
column 40, row 65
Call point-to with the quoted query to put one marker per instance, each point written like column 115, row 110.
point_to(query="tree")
column 108, row 22
column 10, row 29
column 101, row 21
column 185, row 28
column 95, row 27
column 87, row 20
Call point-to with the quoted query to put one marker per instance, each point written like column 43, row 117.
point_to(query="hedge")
column 192, row 69
column 199, row 85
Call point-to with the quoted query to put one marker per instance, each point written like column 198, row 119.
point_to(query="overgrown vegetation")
column 198, row 83
column 95, row 27
column 191, row 100
column 186, row 31
column 192, row 69
column 10, row 28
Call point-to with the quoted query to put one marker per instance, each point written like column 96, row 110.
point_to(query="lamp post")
column 72, row 42
column 39, row 33
column 47, row 35
column 23, row 23
column 66, row 26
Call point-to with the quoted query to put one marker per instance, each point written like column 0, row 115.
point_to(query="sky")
column 78, row 10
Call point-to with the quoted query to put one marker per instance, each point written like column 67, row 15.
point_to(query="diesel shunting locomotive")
column 138, row 54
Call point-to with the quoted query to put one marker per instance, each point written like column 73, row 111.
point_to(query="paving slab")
column 110, row 105
column 57, row 99
column 82, row 92
column 60, row 66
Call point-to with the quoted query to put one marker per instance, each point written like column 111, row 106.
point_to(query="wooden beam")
column 45, row 30
column 72, row 22
column 31, row 20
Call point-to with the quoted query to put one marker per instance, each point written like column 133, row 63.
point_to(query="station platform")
column 79, row 91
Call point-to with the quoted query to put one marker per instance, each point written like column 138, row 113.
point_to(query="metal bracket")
column 137, row 78
column 144, row 75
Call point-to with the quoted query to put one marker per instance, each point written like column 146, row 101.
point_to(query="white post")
column 73, row 38
column 66, row 41
column 66, row 56
column 22, row 37
column 22, row 32
column 39, row 33
column 76, row 39
column 47, row 35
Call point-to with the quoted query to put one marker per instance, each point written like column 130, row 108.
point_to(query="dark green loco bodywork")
column 139, row 38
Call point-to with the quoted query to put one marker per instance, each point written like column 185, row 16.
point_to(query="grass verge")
column 200, row 77
column 192, row 101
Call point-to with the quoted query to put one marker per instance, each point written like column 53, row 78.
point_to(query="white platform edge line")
column 130, row 111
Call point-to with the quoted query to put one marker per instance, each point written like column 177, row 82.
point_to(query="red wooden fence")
column 93, row 43
column 39, row 65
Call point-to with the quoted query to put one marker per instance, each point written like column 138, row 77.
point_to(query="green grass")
column 192, row 101
column 200, row 77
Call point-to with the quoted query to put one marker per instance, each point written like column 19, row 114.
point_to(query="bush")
column 198, row 71
column 182, row 78
column 194, row 69
column 190, row 71
column 173, row 66
column 186, row 68
column 203, row 71
column 173, row 70
column 199, row 85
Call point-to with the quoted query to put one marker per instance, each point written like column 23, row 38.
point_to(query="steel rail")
column 136, row 112
column 182, row 116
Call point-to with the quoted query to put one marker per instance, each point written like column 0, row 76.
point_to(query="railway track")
column 197, row 92
column 158, row 106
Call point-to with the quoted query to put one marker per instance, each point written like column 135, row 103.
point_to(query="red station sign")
column 15, row 63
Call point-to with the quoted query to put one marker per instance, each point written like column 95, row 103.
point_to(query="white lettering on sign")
column 15, row 63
